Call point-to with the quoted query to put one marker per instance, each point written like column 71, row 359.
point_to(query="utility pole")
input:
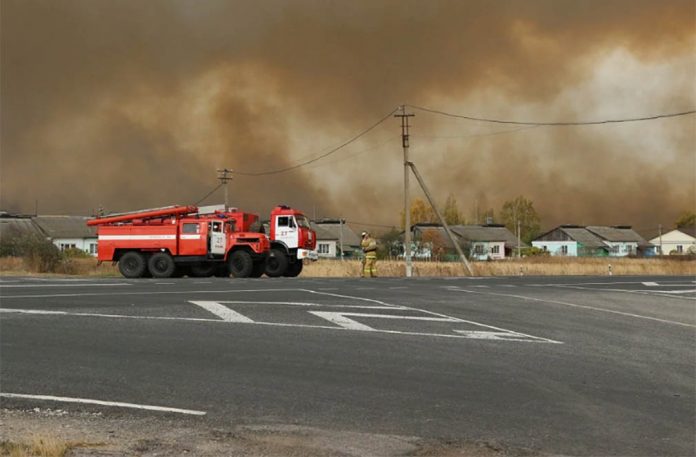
column 659, row 228
column 454, row 241
column 225, row 175
column 407, row 203
column 340, row 239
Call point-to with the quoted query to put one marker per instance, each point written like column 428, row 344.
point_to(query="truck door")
column 217, row 238
column 286, row 231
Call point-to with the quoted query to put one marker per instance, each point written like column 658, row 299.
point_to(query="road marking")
column 575, row 305
column 32, row 286
column 342, row 320
column 689, row 291
column 225, row 313
column 103, row 403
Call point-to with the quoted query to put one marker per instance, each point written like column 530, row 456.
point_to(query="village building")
column 680, row 241
column 334, row 237
column 591, row 241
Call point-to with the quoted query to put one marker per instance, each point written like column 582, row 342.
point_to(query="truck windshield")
column 302, row 221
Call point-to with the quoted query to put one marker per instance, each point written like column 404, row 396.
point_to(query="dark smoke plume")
column 131, row 104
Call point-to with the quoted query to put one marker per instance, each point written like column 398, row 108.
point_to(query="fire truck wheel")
column 132, row 265
column 277, row 263
column 161, row 265
column 258, row 270
column 241, row 264
column 294, row 269
column 202, row 270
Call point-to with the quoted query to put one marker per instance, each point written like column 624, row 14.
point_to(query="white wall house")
column 558, row 248
column 676, row 242
column 68, row 232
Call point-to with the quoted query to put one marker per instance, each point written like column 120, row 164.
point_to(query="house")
column 622, row 240
column 679, row 241
column 483, row 242
column 334, row 234
column 591, row 241
column 68, row 232
column 488, row 241
column 571, row 241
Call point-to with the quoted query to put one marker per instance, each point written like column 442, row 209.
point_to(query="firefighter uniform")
column 369, row 247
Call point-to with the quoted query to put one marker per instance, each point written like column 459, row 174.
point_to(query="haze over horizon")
column 129, row 104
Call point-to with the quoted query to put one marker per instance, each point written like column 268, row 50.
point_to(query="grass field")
column 533, row 266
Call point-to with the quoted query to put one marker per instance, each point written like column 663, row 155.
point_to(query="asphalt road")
column 565, row 365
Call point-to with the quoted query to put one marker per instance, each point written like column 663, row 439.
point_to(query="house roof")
column 486, row 233
column 429, row 231
column 584, row 237
column 65, row 226
column 332, row 231
column 12, row 226
column 617, row 234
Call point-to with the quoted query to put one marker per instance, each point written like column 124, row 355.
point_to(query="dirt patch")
column 133, row 436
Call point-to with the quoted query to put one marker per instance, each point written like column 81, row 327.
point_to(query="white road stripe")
column 575, row 305
column 225, row 313
column 32, row 286
column 340, row 319
column 522, row 337
column 103, row 403
column 690, row 291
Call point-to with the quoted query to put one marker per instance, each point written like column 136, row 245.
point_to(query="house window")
column 92, row 248
column 495, row 249
column 323, row 248
column 564, row 249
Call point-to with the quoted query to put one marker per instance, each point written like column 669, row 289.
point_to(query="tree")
column 521, row 210
column 451, row 211
column 421, row 212
column 687, row 219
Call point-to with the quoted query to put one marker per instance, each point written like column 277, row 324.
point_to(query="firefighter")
column 369, row 247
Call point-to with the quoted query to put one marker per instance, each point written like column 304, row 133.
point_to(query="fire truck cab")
column 292, row 241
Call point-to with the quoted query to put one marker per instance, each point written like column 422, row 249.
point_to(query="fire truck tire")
column 161, row 265
column 258, row 270
column 202, row 270
column 277, row 263
column 294, row 269
column 222, row 271
column 241, row 264
column 132, row 265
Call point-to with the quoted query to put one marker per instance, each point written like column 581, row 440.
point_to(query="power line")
column 209, row 193
column 326, row 154
column 500, row 121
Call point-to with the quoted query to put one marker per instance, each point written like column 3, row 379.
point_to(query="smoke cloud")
column 129, row 104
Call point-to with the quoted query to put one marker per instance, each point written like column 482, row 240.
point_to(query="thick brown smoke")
column 130, row 104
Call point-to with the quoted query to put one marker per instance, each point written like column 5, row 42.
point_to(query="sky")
column 129, row 104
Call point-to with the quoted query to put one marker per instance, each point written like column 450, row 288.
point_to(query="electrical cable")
column 558, row 124
column 209, row 194
column 326, row 154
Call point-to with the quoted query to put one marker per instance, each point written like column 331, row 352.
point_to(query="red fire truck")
column 176, row 240
column 292, row 239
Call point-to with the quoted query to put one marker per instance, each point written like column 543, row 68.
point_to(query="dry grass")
column 17, row 266
column 541, row 266
column 41, row 446
column 534, row 266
